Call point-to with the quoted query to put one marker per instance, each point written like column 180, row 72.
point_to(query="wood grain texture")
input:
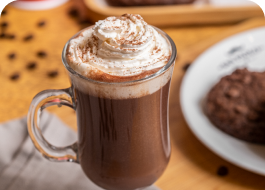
column 192, row 165
column 167, row 15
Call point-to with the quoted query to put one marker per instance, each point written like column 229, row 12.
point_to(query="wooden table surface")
column 192, row 165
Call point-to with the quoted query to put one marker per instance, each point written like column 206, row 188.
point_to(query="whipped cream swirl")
column 118, row 46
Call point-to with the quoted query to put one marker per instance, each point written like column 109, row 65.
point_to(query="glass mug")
column 123, row 133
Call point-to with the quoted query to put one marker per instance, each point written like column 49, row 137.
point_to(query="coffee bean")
column 53, row 74
column 12, row 56
column 15, row 76
column 41, row 54
column 2, row 35
column 73, row 12
column 41, row 23
column 28, row 37
column 222, row 171
column 4, row 24
column 4, row 12
column 186, row 66
column 31, row 65
column 10, row 36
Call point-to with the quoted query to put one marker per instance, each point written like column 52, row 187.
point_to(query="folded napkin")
column 23, row 168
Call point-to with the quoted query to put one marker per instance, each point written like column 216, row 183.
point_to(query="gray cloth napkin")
column 23, row 168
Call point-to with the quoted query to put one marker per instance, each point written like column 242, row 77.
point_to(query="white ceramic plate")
column 246, row 49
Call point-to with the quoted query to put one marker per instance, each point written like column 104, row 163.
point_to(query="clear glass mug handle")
column 41, row 101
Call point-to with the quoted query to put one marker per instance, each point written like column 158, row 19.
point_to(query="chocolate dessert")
column 147, row 2
column 236, row 105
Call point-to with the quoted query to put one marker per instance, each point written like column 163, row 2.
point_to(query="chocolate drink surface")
column 123, row 143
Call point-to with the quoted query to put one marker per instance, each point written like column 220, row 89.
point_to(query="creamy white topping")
column 118, row 46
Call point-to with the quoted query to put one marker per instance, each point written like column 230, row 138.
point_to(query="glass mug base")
column 123, row 143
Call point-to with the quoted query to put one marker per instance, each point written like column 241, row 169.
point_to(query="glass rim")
column 161, row 71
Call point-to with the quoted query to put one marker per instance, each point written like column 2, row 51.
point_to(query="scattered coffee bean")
column 4, row 24
column 186, row 66
column 53, row 74
column 12, row 56
column 73, row 12
column 41, row 54
column 31, row 65
column 15, row 76
column 10, row 36
column 4, row 12
column 41, row 23
column 2, row 35
column 222, row 171
column 28, row 37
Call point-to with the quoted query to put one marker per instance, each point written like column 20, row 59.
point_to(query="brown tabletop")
column 30, row 55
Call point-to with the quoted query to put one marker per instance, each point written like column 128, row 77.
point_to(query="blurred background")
column 33, row 34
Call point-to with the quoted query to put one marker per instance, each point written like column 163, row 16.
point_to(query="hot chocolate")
column 123, row 143
column 122, row 123
column 120, row 71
